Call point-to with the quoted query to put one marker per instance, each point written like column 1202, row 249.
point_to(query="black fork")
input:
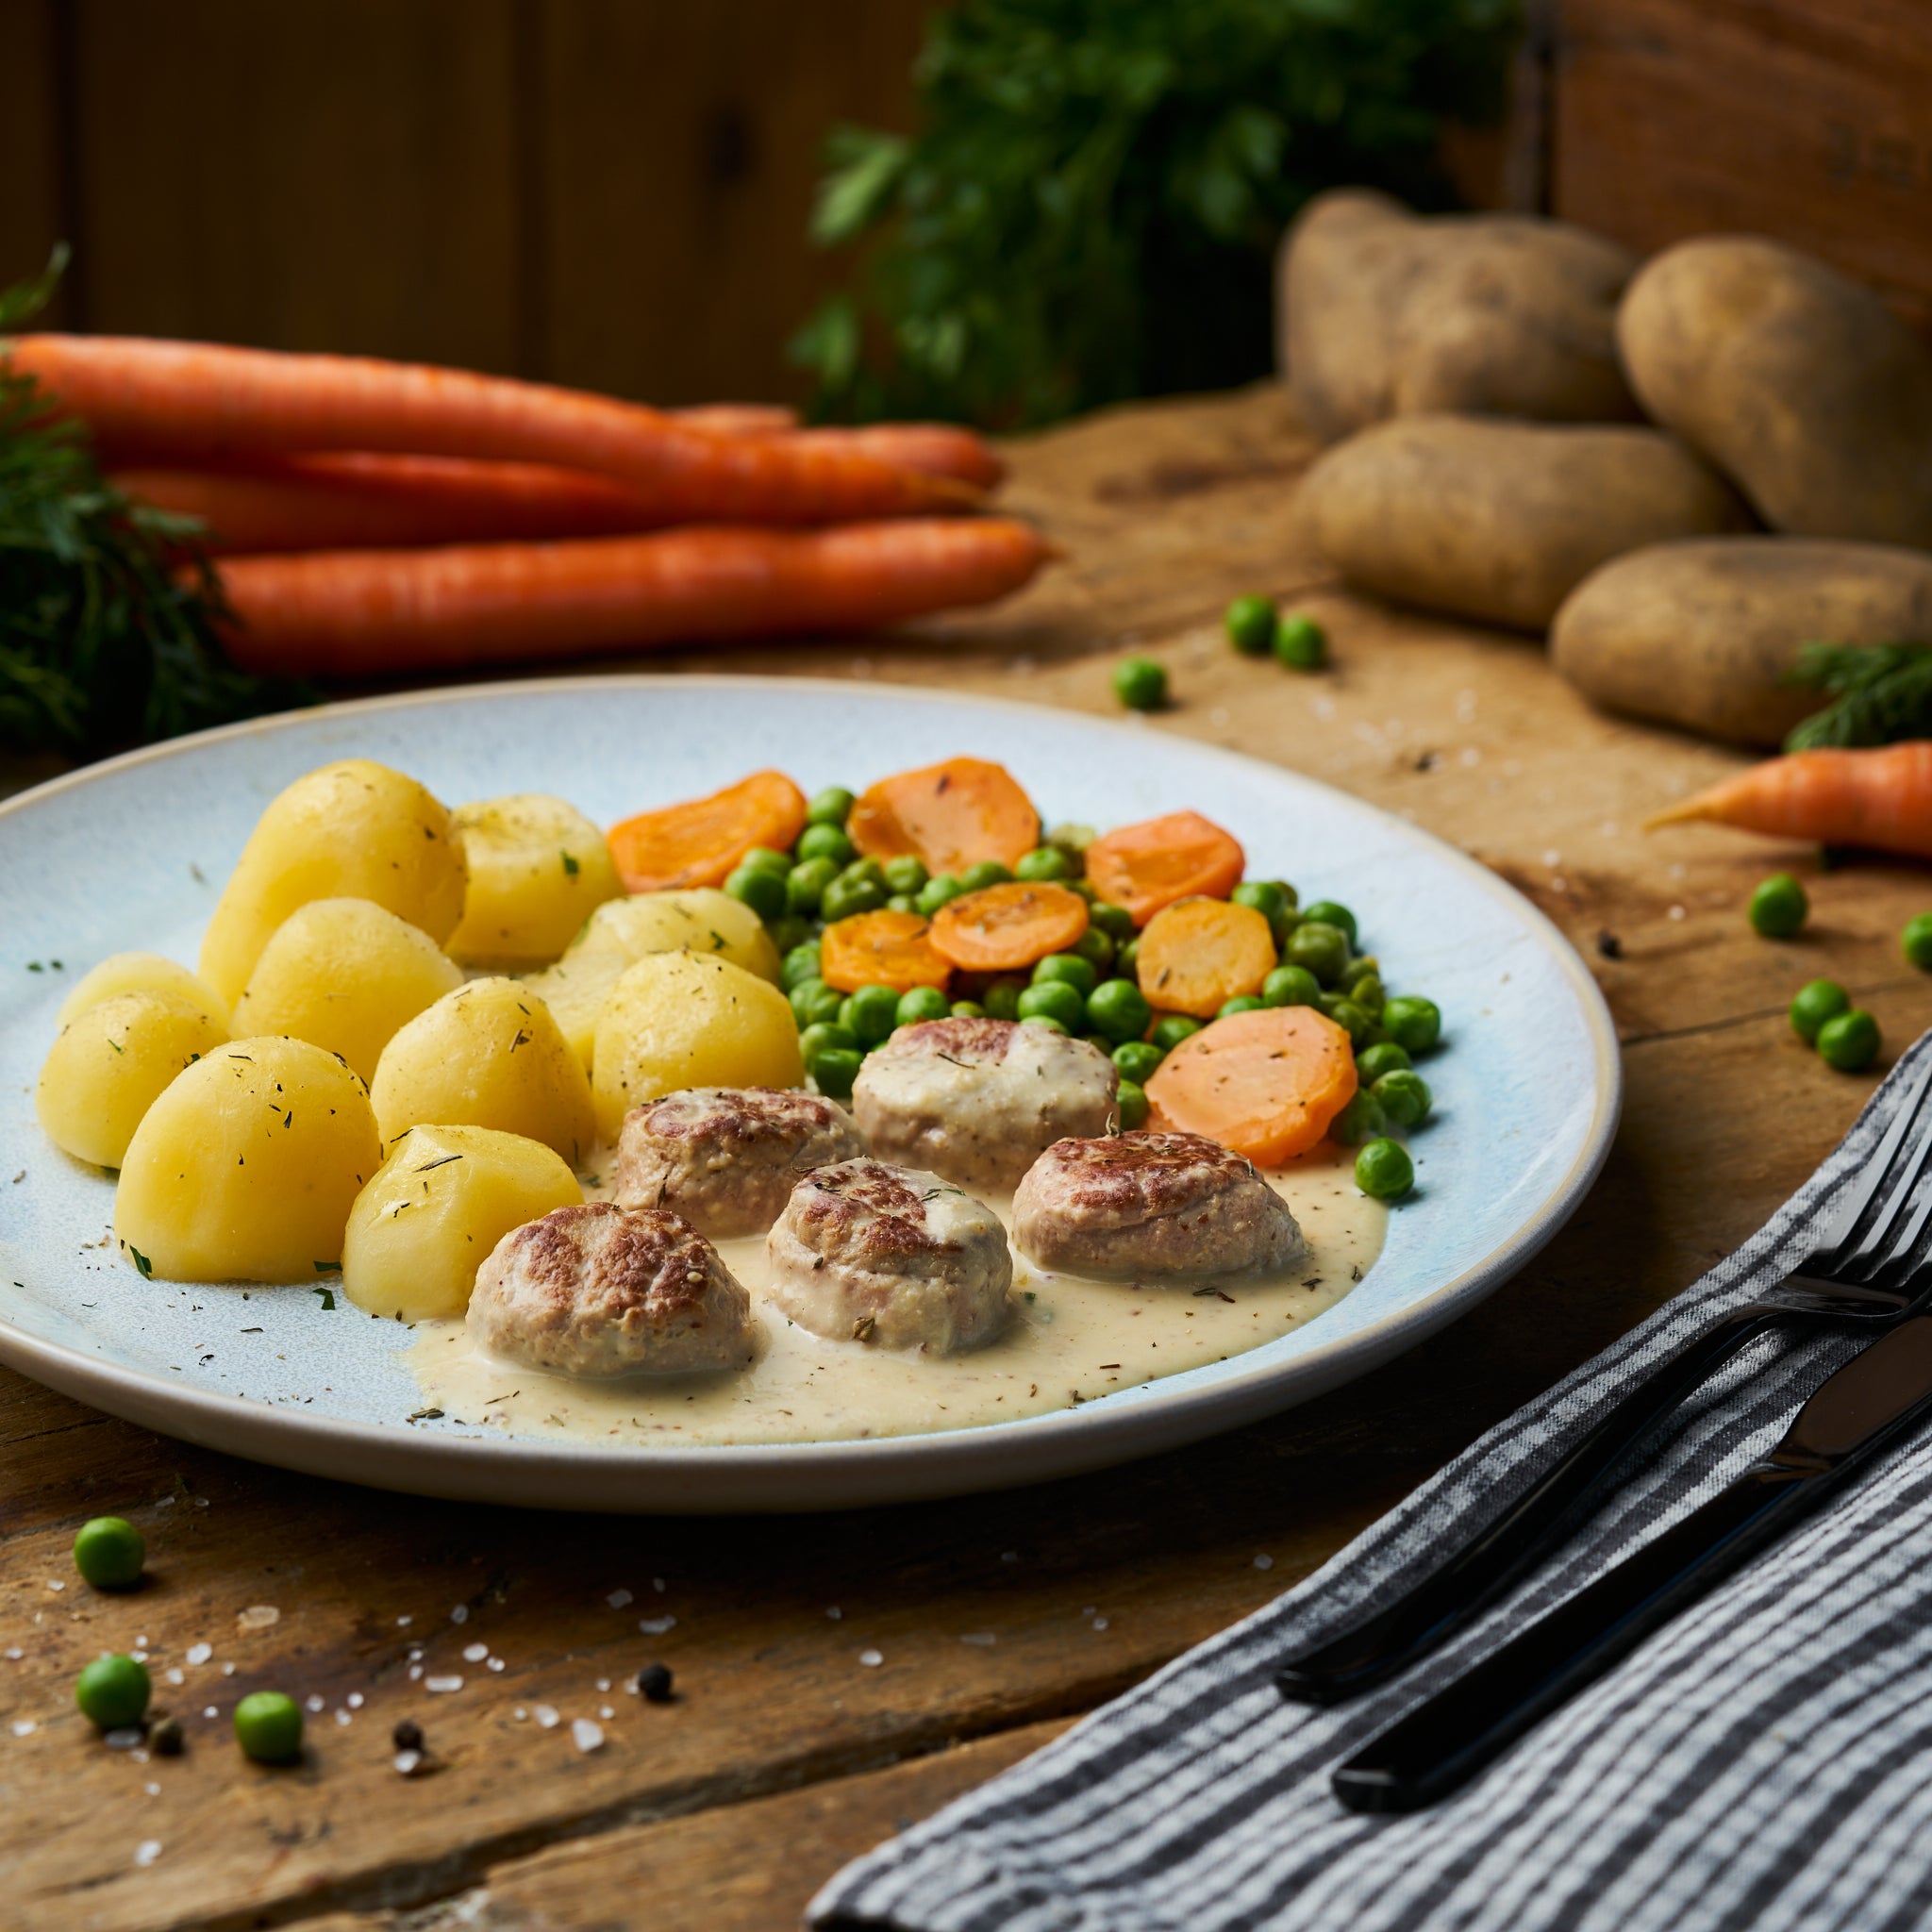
column 1860, row 1271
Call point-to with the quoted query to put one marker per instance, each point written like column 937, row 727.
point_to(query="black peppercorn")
column 165, row 1738
column 654, row 1684
column 408, row 1735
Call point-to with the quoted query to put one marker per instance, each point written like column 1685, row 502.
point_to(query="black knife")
column 1875, row 1398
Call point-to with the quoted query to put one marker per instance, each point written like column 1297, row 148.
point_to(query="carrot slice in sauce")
column 1004, row 927
column 946, row 816
column 700, row 842
column 881, row 949
column 1200, row 952
column 1265, row 1084
column 1150, row 865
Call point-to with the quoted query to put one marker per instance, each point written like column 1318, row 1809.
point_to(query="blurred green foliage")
column 1090, row 208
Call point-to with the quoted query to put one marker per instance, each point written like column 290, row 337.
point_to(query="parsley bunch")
column 1878, row 695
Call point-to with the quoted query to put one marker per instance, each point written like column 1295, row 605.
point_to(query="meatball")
column 726, row 1158
column 599, row 1289
column 1152, row 1205
column 864, row 1252
column 977, row 1100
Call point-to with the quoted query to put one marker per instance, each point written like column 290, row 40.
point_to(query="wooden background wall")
column 614, row 192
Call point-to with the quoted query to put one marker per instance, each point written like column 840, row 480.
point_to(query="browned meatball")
column 726, row 1158
column 599, row 1289
column 977, row 1100
column 1152, row 1205
column 887, row 1255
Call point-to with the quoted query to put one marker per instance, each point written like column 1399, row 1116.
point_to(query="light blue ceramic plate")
column 132, row 853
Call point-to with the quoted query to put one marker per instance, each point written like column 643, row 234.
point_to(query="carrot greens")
column 1878, row 694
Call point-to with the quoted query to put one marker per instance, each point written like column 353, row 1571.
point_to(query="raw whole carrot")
column 883, row 948
column 1160, row 860
column 1265, row 1084
column 209, row 402
column 948, row 816
column 364, row 613
column 1006, row 927
column 939, row 449
column 736, row 419
column 1198, row 953
column 1879, row 799
column 701, row 842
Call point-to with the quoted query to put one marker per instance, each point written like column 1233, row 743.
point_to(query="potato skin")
column 538, row 869
column 488, row 1055
column 246, row 1166
column 113, row 1062
column 141, row 973
column 1799, row 384
column 355, row 829
column 1702, row 633
column 1384, row 313
column 436, row 1208
column 1500, row 520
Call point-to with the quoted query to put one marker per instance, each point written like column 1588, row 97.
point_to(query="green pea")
column 821, row 840
column 789, row 932
column 1137, row 1061
column 1361, row 967
column 1046, row 1020
column 1361, row 1120
column 1813, row 1004
column 923, row 1003
column 968, row 1010
column 768, row 859
column 831, row 806
column 800, row 964
column 1116, row 922
column 1405, row 1096
column 813, row 1002
column 1069, row 967
column 1848, row 1042
column 1319, row 948
column 1250, row 623
column 940, row 890
column 806, row 884
column 825, row 1036
column 989, row 871
column 1001, row 999
column 835, row 1070
column 1282, row 924
column 1413, row 1024
column 903, row 902
column 268, row 1728
column 1086, row 889
column 109, row 1552
column 1291, row 986
column 1915, row 941
column 1368, row 993
column 1385, row 1056
column 906, row 874
column 1241, row 1003
column 870, row 1013
column 1383, row 1171
column 1347, row 1014
column 846, row 898
column 112, row 1691
column 1119, row 1009
column 1059, row 1000
column 1130, row 1105
column 1141, row 683
column 1301, row 644
column 1778, row 906
column 1126, row 961
column 1095, row 946
column 1327, row 912
column 1043, row 862
column 865, row 871
column 763, row 891
column 1264, row 896
column 1172, row 1029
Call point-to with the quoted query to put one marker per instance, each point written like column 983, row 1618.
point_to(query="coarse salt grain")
column 603, row 1683
column 315, row 1702
column 871, row 1659
column 176, row 1674
column 343, row 1717
column 259, row 1617
column 548, row 1716
column 460, row 1614
column 657, row 1584
column 979, row 1637
column 442, row 1684
column 147, row 1851
column 520, row 1715
column 1100, row 1623
column 475, row 1653
column 1264, row 1561
column 354, row 1700
column 123, row 1737
column 227, row 1670
column 492, row 1663
column 835, row 1613
column 656, row 1626
column 200, row 1653
column 25, row 1728
column 415, row 1673
column 618, row 1598
column 14, row 1654
column 406, row 1762
column 208, row 1710
column 604, row 1711
column 55, row 1583
column 404, row 1622
column 152, row 1791
column 585, row 1735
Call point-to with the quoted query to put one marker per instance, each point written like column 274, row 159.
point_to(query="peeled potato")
column 677, row 1020
column 538, row 868
column 488, row 1055
column 355, row 829
column 436, row 1208
column 111, row 1063
column 576, row 988
column 246, row 1169
column 344, row 974
column 139, row 972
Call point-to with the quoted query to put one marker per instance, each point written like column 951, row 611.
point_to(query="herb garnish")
column 1878, row 694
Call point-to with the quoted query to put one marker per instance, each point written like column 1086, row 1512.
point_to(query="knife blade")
column 1853, row 1414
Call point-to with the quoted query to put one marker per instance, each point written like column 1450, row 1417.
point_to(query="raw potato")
column 538, row 868
column 1801, row 386
column 1385, row 313
column 679, row 1019
column 246, row 1169
column 434, row 1210
column 488, row 1055
column 113, row 1062
column 1500, row 520
column 139, row 972
column 350, row 830
column 1702, row 633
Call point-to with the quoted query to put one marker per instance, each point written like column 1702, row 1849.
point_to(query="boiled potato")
column 690, row 1020
column 111, row 1063
column 538, row 868
column 354, row 829
column 435, row 1208
column 488, row 1055
column 344, row 974
column 246, row 1169
column 139, row 972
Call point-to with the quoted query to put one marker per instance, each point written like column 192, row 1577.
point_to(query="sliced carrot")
column 946, row 816
column 700, row 842
column 1200, row 952
column 881, row 949
column 1150, row 865
column 1265, row 1083
column 1005, row 927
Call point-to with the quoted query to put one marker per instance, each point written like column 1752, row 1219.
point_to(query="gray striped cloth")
column 1764, row 1762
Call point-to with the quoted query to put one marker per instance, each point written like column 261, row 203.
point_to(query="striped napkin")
column 1764, row 1762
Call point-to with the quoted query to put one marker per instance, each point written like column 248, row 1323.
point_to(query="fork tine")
column 1865, row 1260
column 1829, row 1256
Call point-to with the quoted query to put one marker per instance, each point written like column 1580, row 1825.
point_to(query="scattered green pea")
column 1915, row 941
column 1001, row 999
column 831, row 806
column 1415, row 1024
column 940, row 890
column 1320, row 948
column 870, row 1014
column 1383, row 1171
column 1405, row 1096
column 1250, row 623
column 903, row 902
column 968, row 1010
column 906, row 874
column 1078, row 973
column 825, row 1036
column 1327, row 912
column 1301, row 644
column 1385, row 1056
column 108, row 1553
column 1291, row 986
column 1137, row 1061
column 1130, row 1105
column 865, row 871
column 1043, row 862
column 1241, row 1003
column 1141, row 683
column 268, row 1728
column 1116, row 922
column 112, row 1691
column 1848, row 1042
column 989, row 871
column 763, row 890
column 1171, row 1030
column 1094, row 946
column 1349, row 1016
column 923, row 1003
column 1813, row 1004
column 1778, row 906
column 1368, row 993
column 835, row 1070
column 1361, row 967
column 813, row 1002
column 826, row 839
column 1360, row 1120
column 769, row 858
column 1119, row 1009
column 1265, row 896
column 1059, row 1000
column 1127, row 961
column 845, row 898
column 804, row 885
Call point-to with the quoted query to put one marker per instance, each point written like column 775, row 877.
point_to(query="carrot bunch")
column 376, row 517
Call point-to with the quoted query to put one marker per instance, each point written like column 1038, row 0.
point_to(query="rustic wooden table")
column 998, row 1619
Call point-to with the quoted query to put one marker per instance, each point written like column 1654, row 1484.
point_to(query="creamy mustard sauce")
column 1069, row 1340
